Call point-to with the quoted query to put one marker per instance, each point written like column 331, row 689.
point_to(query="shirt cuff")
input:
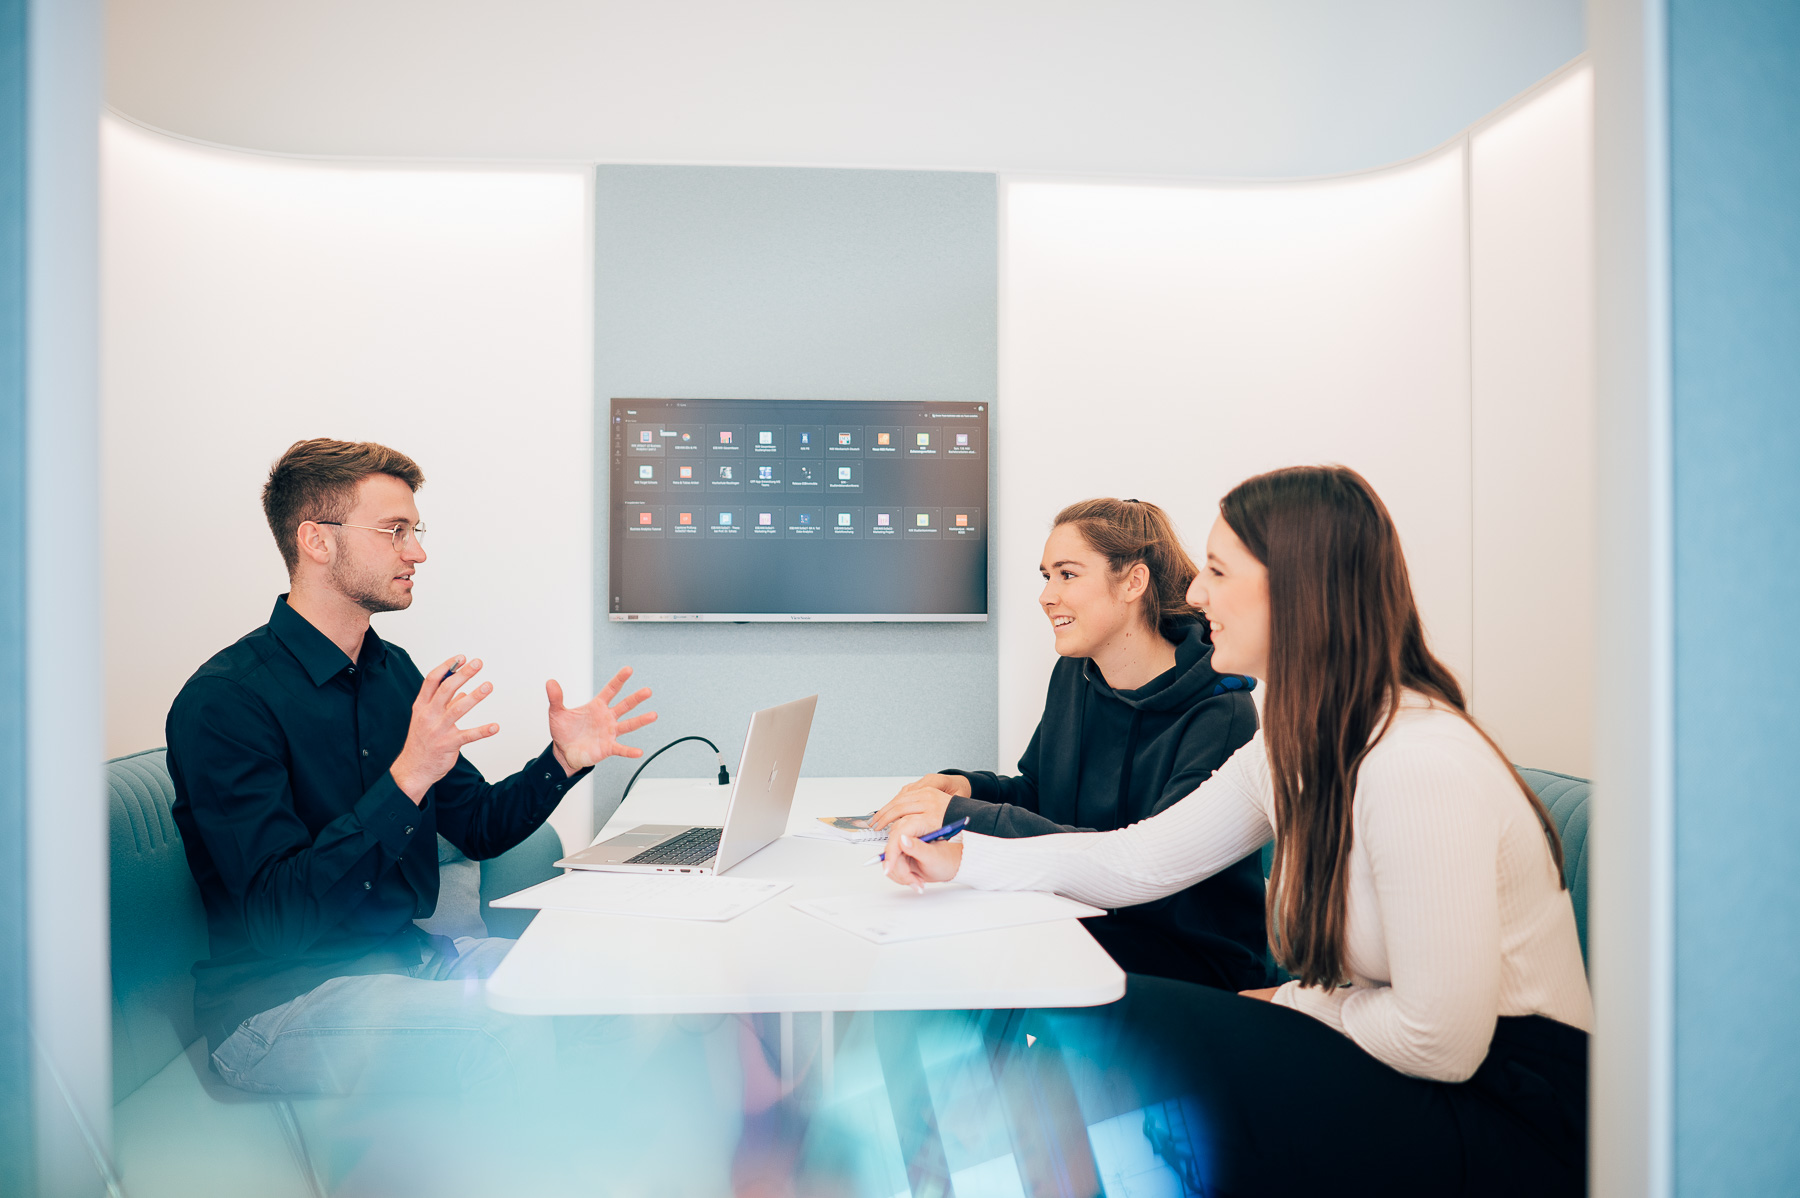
column 1327, row 1006
column 546, row 773
column 978, row 865
column 979, row 814
column 389, row 816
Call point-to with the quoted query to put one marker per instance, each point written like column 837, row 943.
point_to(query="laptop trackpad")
column 643, row 836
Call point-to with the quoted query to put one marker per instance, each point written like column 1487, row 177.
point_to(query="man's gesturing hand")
column 589, row 734
column 432, row 739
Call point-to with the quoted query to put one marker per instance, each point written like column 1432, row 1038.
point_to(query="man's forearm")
column 1004, row 819
column 485, row 819
column 290, row 901
column 989, row 787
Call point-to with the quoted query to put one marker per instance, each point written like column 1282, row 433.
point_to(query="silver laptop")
column 755, row 815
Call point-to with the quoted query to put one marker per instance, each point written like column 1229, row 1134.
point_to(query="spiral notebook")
column 848, row 829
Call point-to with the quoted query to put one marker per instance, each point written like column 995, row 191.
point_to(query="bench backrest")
column 1566, row 797
column 158, row 923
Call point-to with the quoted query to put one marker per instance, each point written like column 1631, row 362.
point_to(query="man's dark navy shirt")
column 311, row 861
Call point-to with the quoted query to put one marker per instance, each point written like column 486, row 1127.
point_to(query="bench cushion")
column 185, row 1133
column 522, row 865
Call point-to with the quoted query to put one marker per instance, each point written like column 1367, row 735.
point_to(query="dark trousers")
column 1242, row 1097
column 1138, row 945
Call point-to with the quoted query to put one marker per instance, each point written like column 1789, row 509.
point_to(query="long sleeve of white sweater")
column 1455, row 909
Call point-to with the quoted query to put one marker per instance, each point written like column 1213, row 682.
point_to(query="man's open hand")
column 433, row 740
column 589, row 734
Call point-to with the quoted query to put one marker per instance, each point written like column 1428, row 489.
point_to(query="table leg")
column 787, row 1052
column 1043, row 1117
column 909, row 1097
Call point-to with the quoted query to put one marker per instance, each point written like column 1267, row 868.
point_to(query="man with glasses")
column 314, row 768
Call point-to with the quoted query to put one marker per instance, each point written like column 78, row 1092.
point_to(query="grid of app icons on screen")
column 776, row 479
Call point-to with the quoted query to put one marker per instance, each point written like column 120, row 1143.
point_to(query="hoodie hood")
column 1193, row 677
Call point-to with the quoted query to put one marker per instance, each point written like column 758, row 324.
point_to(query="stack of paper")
column 888, row 916
column 654, row 896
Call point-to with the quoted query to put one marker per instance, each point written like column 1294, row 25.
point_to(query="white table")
column 776, row 959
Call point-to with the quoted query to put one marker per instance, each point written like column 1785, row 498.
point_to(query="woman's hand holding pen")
column 914, row 862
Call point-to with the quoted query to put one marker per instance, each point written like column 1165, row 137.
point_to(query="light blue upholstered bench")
column 177, row 1129
column 1566, row 797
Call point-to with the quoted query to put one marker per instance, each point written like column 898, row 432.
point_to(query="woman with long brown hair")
column 1433, row 1040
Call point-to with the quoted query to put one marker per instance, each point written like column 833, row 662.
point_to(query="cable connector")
column 724, row 774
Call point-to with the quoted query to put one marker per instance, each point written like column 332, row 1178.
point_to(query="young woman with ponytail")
column 1434, row 1038
column 1136, row 718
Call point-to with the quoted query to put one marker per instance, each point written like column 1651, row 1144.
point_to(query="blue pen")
column 946, row 831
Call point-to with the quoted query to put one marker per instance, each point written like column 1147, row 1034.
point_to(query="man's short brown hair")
column 317, row 480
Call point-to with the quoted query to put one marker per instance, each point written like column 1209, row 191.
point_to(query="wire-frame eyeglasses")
column 401, row 533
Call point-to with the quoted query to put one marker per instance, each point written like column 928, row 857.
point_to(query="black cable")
column 724, row 774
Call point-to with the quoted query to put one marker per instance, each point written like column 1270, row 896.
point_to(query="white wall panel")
column 1531, row 282
column 250, row 302
column 1156, row 341
column 1166, row 342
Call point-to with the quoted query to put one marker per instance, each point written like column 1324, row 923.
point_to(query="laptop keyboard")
column 696, row 846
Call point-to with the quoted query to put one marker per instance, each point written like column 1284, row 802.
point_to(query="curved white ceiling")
column 1180, row 88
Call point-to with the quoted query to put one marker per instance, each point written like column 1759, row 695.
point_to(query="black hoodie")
column 1102, row 759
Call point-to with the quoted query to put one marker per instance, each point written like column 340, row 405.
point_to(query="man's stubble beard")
column 366, row 588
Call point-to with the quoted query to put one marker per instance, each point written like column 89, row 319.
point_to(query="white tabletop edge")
column 818, row 1000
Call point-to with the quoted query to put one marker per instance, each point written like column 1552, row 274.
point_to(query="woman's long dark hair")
column 1344, row 642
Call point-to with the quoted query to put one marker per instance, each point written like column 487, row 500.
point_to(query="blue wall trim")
column 16, row 1175
column 804, row 284
column 1734, row 89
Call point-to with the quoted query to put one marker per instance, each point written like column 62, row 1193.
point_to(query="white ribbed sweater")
column 1456, row 913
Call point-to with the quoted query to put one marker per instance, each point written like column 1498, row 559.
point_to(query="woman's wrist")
column 954, row 850
column 952, row 784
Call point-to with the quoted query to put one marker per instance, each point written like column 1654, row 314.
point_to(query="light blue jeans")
column 427, row 1030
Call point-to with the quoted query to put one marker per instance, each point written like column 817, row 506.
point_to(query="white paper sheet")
column 653, row 896
column 889, row 916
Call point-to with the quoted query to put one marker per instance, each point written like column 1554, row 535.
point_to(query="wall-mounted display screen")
column 753, row 509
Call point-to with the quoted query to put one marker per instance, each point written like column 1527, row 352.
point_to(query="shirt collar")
column 318, row 656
